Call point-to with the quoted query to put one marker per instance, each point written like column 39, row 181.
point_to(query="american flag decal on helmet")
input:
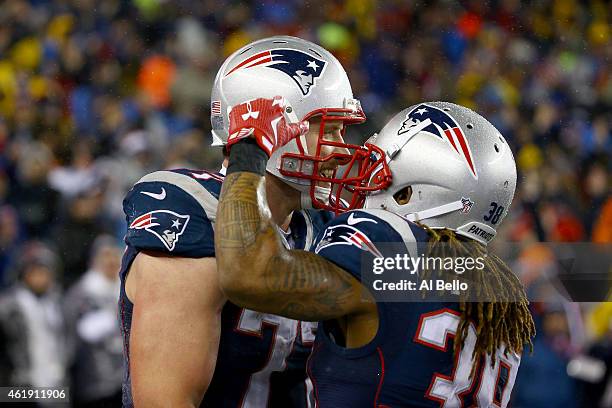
column 215, row 108
column 443, row 126
column 303, row 68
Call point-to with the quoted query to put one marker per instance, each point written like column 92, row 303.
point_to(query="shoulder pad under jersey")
column 173, row 211
column 370, row 233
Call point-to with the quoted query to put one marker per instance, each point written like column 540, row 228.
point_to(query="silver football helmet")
column 314, row 84
column 450, row 168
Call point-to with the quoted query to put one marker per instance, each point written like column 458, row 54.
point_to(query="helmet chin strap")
column 321, row 194
column 435, row 211
column 305, row 201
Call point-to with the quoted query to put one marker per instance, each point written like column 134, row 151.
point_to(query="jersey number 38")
column 490, row 386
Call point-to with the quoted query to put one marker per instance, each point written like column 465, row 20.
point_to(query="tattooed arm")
column 258, row 272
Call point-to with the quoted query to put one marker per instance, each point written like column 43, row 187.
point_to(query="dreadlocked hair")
column 503, row 320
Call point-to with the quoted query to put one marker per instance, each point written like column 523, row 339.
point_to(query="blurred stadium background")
column 93, row 95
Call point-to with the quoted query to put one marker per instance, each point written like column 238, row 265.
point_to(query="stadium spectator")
column 31, row 321
column 82, row 220
column 545, row 369
column 90, row 308
column 34, row 199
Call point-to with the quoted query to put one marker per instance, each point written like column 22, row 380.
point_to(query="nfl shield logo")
column 467, row 205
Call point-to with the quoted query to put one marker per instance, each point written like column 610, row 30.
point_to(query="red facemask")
column 351, row 171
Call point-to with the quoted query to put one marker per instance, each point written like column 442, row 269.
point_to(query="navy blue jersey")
column 410, row 362
column 262, row 358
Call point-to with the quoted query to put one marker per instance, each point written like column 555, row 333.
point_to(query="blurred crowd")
column 93, row 95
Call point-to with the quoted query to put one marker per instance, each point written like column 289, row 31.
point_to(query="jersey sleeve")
column 354, row 239
column 171, row 212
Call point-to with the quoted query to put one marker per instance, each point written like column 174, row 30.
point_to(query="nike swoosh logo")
column 352, row 220
column 157, row 196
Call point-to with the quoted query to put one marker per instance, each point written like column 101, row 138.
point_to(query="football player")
column 447, row 168
column 171, row 307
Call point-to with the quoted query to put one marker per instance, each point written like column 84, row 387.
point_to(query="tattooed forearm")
column 238, row 216
column 259, row 273
column 243, row 228
column 309, row 287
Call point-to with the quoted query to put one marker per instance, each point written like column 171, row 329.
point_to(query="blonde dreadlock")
column 504, row 319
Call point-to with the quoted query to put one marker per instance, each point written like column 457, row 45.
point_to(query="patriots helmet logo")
column 166, row 225
column 303, row 68
column 443, row 126
column 347, row 235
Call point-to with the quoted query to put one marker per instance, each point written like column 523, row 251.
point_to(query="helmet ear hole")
column 402, row 197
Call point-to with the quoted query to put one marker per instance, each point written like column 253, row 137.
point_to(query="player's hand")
column 263, row 120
